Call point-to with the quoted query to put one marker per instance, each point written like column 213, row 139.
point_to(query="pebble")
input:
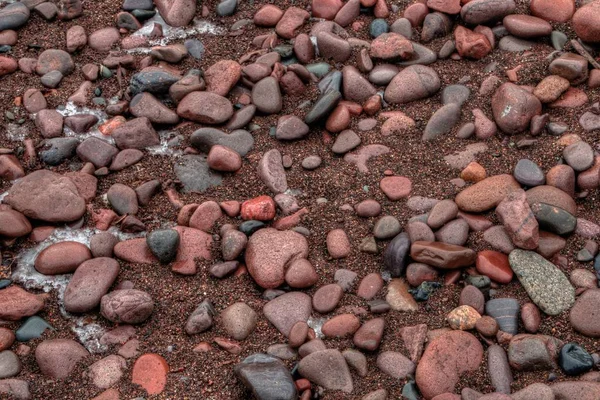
column 327, row 368
column 533, row 352
column 89, row 283
column 472, row 297
column 368, row 336
column 559, row 11
column 445, row 360
column 516, row 216
column 413, row 83
column 582, row 315
column 261, row 372
column 526, row 26
column 13, row 16
column 395, row 255
column 442, row 255
column 32, row 328
column 545, row 284
column 239, row 320
column 586, row 22
column 529, row 173
column 494, row 265
column 395, row 187
column 10, row 365
column 463, row 318
column 574, row 360
column 130, row 306
column 284, row 311
column 486, row 194
column 395, row 364
column 163, row 244
column 150, row 372
column 57, row 358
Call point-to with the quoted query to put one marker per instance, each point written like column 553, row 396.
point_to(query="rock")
column 412, row 83
column 442, row 255
column 579, row 156
column 529, row 173
column 454, row 232
column 550, row 88
column 486, row 194
column 52, row 261
column 130, row 306
column 574, row 360
column 513, row 108
column 54, row 60
column 290, row 127
column 576, row 390
column 271, row 172
column 414, row 338
column 584, row 312
column 137, row 133
column 559, row 11
column 338, row 244
column 354, row 86
column 332, row 46
column 266, row 96
column 535, row 391
column 442, row 122
column 445, row 359
column 368, row 336
column 472, row 297
column 500, row 373
column 570, row 66
column 479, row 12
column 150, row 372
column 267, row 377
column 518, row 219
column 284, row 311
column 57, row 358
column 91, row 281
column 391, row 46
column 268, row 15
column 545, row 284
column 7, row 65
column 19, row 389
column 10, row 365
column 146, row 105
column 291, row 21
column 463, row 318
column 340, row 326
column 533, row 352
column 323, row 106
column 399, row 298
column 395, row 255
column 395, row 364
column 586, row 22
column 494, row 265
column 506, row 313
column 201, row 319
column 205, row 107
column 435, row 24
column 526, row 26
column 13, row 16
column 554, row 219
column 395, row 187
column 176, row 12
column 163, row 244
column 239, row 320
column 327, row 368
column 13, row 224
column 471, row 44
column 552, row 196
column 345, row 141
column 240, row 141
column 357, row 361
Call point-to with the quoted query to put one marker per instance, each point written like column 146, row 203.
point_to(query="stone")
column 395, row 255
column 574, row 360
column 176, row 12
column 399, row 298
column 506, row 313
column 535, row 391
column 201, row 319
column 395, row 364
column 583, row 314
column 205, row 107
column 471, row 44
column 533, row 352
column 284, row 311
column 479, row 12
column 150, row 372
column 554, row 219
column 391, row 46
column 54, row 60
column 19, row 389
column 10, row 365
column 413, row 83
column 52, row 261
column 559, row 11
column 494, row 265
column 526, row 26
column 518, row 219
column 513, row 108
column 570, row 66
column 57, row 358
column 576, row 390
column 266, row 96
column 472, row 297
column 545, row 284
column 368, row 336
column 107, row 372
column 442, row 122
column 579, row 156
column 239, row 320
column 500, row 373
column 267, row 377
column 585, row 22
column 130, row 306
column 442, row 255
column 552, row 196
column 13, row 16
column 271, row 172
column 89, row 283
column 239, row 140
column 395, row 187
column 137, row 133
column 328, row 369
column 291, row 21
column 463, row 318
column 529, row 173
column 290, row 127
column 445, row 359
column 338, row 244
column 486, row 194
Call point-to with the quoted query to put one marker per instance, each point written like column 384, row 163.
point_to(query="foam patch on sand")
column 164, row 149
column 170, row 33
column 316, row 324
column 87, row 332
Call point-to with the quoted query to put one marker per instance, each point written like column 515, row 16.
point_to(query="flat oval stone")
column 486, row 194
column 412, row 83
column 62, row 258
column 529, row 173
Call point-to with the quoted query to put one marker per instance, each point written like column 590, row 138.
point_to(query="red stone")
column 396, row 187
column 471, row 44
column 494, row 265
column 150, row 372
column 261, row 208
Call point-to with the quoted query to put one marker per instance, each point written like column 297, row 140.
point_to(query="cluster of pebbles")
column 300, row 318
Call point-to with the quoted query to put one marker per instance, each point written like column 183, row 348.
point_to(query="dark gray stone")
column 241, row 141
column 57, row 150
column 395, row 255
column 554, row 219
column 33, row 328
column 194, row 173
column 267, row 377
column 574, row 360
column 323, row 106
column 529, row 173
column 153, row 81
column 163, row 244
column 505, row 312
